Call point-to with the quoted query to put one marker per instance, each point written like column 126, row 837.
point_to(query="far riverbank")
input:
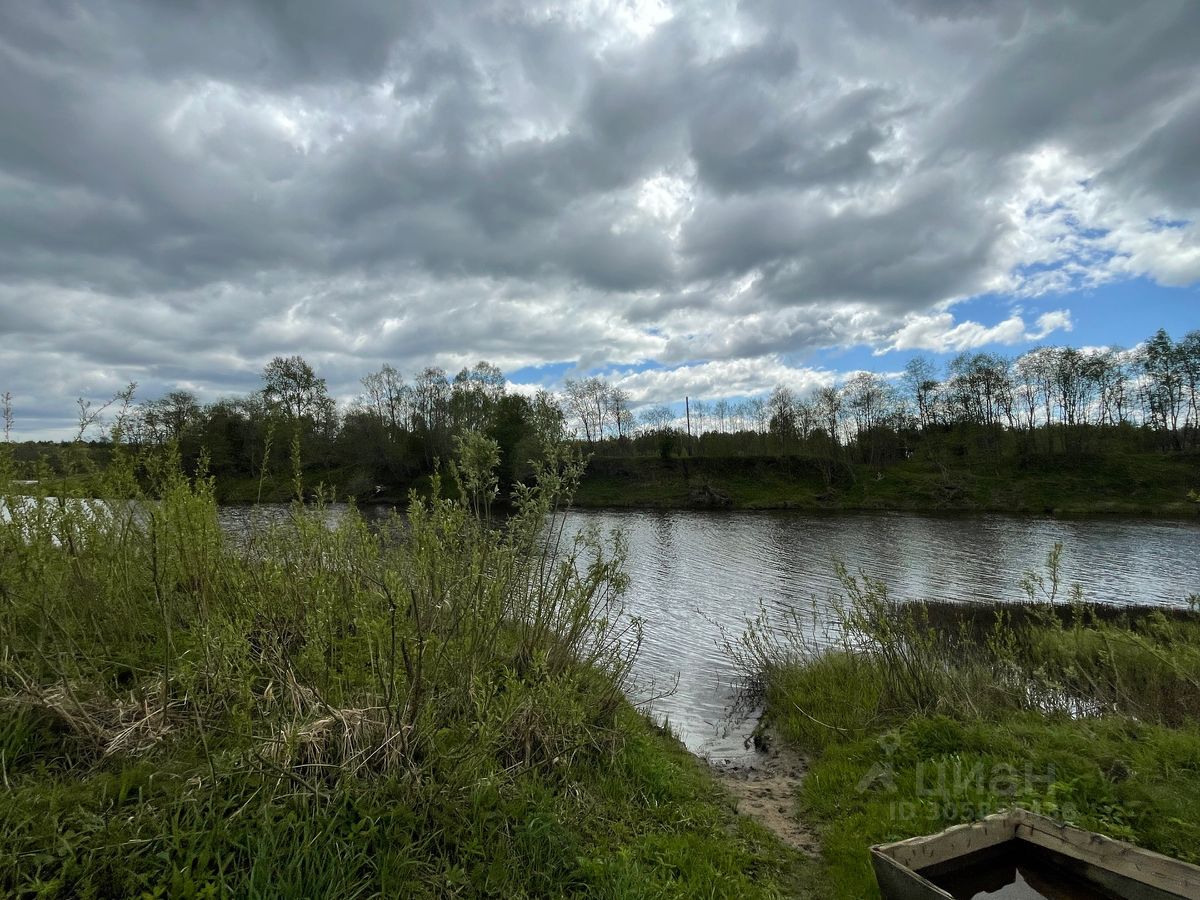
column 1142, row 484
column 1134, row 483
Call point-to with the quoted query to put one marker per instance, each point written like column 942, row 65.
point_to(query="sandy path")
column 765, row 790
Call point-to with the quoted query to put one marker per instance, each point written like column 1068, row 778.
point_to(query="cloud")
column 942, row 334
column 719, row 379
column 1050, row 322
column 188, row 189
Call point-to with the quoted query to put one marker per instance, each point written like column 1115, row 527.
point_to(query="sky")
column 703, row 198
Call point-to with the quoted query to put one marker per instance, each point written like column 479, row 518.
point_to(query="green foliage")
column 479, row 458
column 1058, row 431
column 1123, row 778
column 920, row 716
column 1112, row 483
column 430, row 708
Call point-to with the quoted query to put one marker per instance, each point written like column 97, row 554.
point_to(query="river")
column 693, row 574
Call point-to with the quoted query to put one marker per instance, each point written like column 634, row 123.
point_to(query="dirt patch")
column 764, row 787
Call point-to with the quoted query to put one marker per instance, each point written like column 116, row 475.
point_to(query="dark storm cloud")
column 187, row 189
column 931, row 240
column 258, row 42
column 1166, row 162
column 1091, row 72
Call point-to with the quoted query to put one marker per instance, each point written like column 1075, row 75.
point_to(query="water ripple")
column 693, row 574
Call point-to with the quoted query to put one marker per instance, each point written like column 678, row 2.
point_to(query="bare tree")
column 657, row 418
column 7, row 406
column 828, row 404
column 921, row 383
column 579, row 398
column 617, row 404
column 758, row 414
column 781, row 406
column 699, row 416
column 721, row 412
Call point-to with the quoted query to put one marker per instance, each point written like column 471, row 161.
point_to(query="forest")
column 1050, row 403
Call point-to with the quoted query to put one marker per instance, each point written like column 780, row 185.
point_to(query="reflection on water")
column 1019, row 872
column 694, row 573
column 242, row 520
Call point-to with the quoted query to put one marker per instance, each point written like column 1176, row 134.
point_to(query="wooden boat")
column 1033, row 857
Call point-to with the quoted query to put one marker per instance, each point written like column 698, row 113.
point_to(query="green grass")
column 1117, row 483
column 921, row 717
column 645, row 821
column 1117, row 776
column 430, row 708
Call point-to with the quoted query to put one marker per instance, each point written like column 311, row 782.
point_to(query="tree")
column 1189, row 351
column 431, row 411
column 865, row 395
column 577, row 401
column 474, row 397
column 1027, row 388
column 178, row 411
column 828, row 404
column 1108, row 372
column 588, row 401
column 388, row 398
column 758, row 414
column 721, row 412
column 920, row 381
column 781, row 406
column 657, row 418
column 806, row 417
column 617, row 403
column 290, row 384
column 981, row 389
column 699, row 415
column 1071, row 385
column 1166, row 381
column 546, row 421
column 869, row 398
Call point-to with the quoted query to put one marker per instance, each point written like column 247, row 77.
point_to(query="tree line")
column 1049, row 400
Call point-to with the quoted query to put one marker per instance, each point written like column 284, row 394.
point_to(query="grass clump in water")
column 432, row 707
column 919, row 716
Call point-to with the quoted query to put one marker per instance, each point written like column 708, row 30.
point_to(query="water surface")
column 697, row 575
column 694, row 573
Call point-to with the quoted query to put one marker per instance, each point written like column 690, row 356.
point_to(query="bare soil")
column 764, row 788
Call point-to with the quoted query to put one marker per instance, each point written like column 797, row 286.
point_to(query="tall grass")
column 883, row 659
column 917, row 715
column 326, row 651
column 430, row 706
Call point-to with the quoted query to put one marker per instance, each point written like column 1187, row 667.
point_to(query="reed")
column 917, row 716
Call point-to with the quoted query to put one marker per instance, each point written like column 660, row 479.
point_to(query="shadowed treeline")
column 1046, row 407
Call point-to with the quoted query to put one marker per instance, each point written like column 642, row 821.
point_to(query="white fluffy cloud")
column 940, row 332
column 718, row 379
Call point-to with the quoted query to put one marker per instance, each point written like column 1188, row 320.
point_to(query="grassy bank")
column 431, row 707
column 1118, row 483
column 645, row 821
column 920, row 717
